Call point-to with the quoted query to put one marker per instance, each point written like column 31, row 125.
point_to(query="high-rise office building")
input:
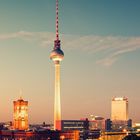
column 119, row 113
column 20, row 114
column 57, row 56
column 119, row 109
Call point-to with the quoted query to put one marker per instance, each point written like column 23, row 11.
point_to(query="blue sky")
column 101, row 42
column 94, row 17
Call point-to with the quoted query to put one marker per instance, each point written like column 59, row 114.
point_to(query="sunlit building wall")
column 20, row 114
column 119, row 109
column 119, row 113
column 70, row 135
column 96, row 122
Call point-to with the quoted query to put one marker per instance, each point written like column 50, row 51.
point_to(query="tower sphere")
column 57, row 55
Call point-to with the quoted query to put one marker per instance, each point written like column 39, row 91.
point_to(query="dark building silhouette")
column 131, row 137
column 80, row 125
column 129, row 123
column 108, row 125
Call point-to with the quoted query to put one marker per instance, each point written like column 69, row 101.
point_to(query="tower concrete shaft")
column 57, row 104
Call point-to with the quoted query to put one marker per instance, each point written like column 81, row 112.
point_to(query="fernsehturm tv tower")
column 57, row 55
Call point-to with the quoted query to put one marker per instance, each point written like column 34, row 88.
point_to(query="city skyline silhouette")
column 101, row 41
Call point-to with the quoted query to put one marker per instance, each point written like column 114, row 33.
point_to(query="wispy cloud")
column 21, row 34
column 110, row 47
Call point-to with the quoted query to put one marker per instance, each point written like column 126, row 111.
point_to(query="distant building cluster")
column 88, row 128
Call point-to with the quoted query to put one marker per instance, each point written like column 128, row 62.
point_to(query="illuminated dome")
column 57, row 55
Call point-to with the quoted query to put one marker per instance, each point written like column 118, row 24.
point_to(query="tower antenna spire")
column 57, row 41
column 57, row 21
